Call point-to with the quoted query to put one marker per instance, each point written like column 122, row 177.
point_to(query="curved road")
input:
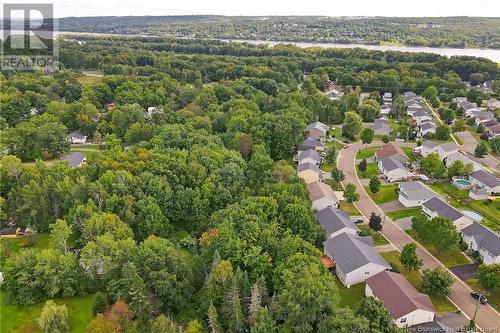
column 487, row 317
column 469, row 146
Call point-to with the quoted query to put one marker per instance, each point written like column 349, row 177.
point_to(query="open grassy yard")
column 371, row 170
column 442, row 304
column 387, row 193
column 378, row 238
column 366, row 153
column 449, row 258
column 23, row 319
column 349, row 208
column 335, row 185
column 492, row 296
column 327, row 167
column 399, row 214
column 350, row 297
column 14, row 245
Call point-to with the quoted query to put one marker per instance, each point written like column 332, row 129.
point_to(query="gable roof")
column 77, row 134
column 449, row 146
column 430, row 144
column 421, row 114
column 398, row 295
column 351, row 252
column 494, row 129
column 458, row 156
column 307, row 166
column 486, row 178
column 74, row 159
column 485, row 237
column 310, row 153
column 415, row 190
column 442, row 209
column 427, row 125
column 318, row 190
column 381, row 124
column 389, row 150
column 310, row 143
column 334, row 220
column 390, row 164
column 318, row 125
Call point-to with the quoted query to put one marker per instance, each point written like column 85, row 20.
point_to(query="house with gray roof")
column 387, row 98
column 335, row 222
column 381, row 127
column 459, row 156
column 317, row 130
column 311, row 156
column 426, row 128
column 354, row 258
column 437, row 207
column 322, row 196
column 392, row 169
column 77, row 137
column 309, row 172
column 486, row 181
column 443, row 150
column 311, row 143
column 414, row 194
column 483, row 240
column 75, row 159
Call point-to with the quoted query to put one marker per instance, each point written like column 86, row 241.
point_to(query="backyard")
column 366, row 153
column 399, row 214
column 350, row 297
column 387, row 193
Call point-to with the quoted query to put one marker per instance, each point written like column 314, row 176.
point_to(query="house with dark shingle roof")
column 426, row 128
column 443, row 150
column 391, row 150
column 483, row 240
column 335, row 222
column 354, row 258
column 311, row 156
column 437, row 207
column 381, row 127
column 407, row 306
column 75, row 159
column 413, row 194
column 486, row 181
column 392, row 169
column 311, row 143
column 317, row 130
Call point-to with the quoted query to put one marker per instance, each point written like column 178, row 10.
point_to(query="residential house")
column 492, row 104
column 391, row 150
column 459, row 100
column 310, row 143
column 475, row 112
column 466, row 105
column 459, row 156
column 334, row 94
column 335, row 222
column 309, row 172
column 387, row 98
column 322, row 196
column 421, row 117
column 148, row 115
column 406, row 304
column 385, row 109
column 443, row 150
column 392, row 169
column 414, row 194
column 317, row 130
column 409, row 95
column 483, row 240
column 426, row 128
column 490, row 123
column 354, row 258
column 75, row 159
column 309, row 156
column 381, row 127
column 77, row 137
column 486, row 181
column 437, row 207
column 481, row 119
column 494, row 130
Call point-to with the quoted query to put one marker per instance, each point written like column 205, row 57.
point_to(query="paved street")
column 470, row 144
column 488, row 318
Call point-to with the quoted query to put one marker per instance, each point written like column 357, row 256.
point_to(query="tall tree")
column 54, row 318
column 409, row 257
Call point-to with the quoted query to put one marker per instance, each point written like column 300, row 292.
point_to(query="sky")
column 65, row 8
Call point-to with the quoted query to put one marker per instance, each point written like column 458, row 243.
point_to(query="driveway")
column 470, row 144
column 456, row 321
column 391, row 206
column 465, row 272
column 404, row 223
column 487, row 317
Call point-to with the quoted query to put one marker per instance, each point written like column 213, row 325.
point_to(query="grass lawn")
column 366, row 153
column 490, row 212
column 335, row 185
column 492, row 296
column 447, row 189
column 448, row 258
column 350, row 297
column 387, row 193
column 371, row 170
column 378, row 238
column 327, row 167
column 409, row 152
column 16, row 244
column 349, row 208
column 399, row 214
column 24, row 318
column 442, row 304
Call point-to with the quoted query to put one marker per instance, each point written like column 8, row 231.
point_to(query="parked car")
column 479, row 297
column 358, row 220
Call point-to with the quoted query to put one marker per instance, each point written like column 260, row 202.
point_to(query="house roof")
column 351, row 252
column 427, row 126
column 485, row 237
column 388, row 95
column 74, row 159
column 310, row 153
column 390, row 164
column 442, row 208
column 458, row 156
column 389, row 150
column 381, row 125
column 483, row 117
column 334, row 220
column 485, row 178
column 318, row 125
column 449, row 146
column 318, row 190
column 421, row 114
column 307, row 166
column 310, row 143
column 415, row 190
column 466, row 105
column 430, row 144
column 491, row 122
column 398, row 295
column 77, row 134
column 494, row 129
column 410, row 94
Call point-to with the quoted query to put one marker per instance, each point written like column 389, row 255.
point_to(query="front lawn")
column 441, row 303
column 399, row 214
column 23, row 318
column 350, row 297
column 387, row 193
column 409, row 153
column 371, row 170
column 335, row 185
column 349, row 208
column 448, row 258
column 366, row 153
column 378, row 238
column 492, row 296
column 327, row 167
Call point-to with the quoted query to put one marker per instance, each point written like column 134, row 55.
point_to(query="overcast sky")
column 64, row 8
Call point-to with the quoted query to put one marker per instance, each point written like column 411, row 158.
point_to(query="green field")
column 335, row 185
column 371, row 170
column 399, row 214
column 350, row 297
column 23, row 319
column 378, row 238
column 14, row 245
column 441, row 303
column 387, row 193
column 366, row 153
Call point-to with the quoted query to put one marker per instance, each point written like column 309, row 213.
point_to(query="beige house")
column 317, row 130
column 309, row 172
column 322, row 196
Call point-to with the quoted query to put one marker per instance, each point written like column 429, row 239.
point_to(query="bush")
column 100, row 303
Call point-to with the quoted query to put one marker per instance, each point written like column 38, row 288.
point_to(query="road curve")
column 469, row 146
column 488, row 319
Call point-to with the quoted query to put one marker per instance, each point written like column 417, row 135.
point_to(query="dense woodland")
column 428, row 31
column 196, row 213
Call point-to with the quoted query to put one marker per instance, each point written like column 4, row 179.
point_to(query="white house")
column 414, row 194
column 77, row 137
column 459, row 156
column 492, row 104
column 317, row 130
column 322, row 196
column 483, row 240
column 392, row 169
column 335, row 222
column 354, row 258
column 309, row 156
column 485, row 181
column 426, row 128
column 437, row 207
column 152, row 110
column 387, row 98
column 443, row 150
column 407, row 306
